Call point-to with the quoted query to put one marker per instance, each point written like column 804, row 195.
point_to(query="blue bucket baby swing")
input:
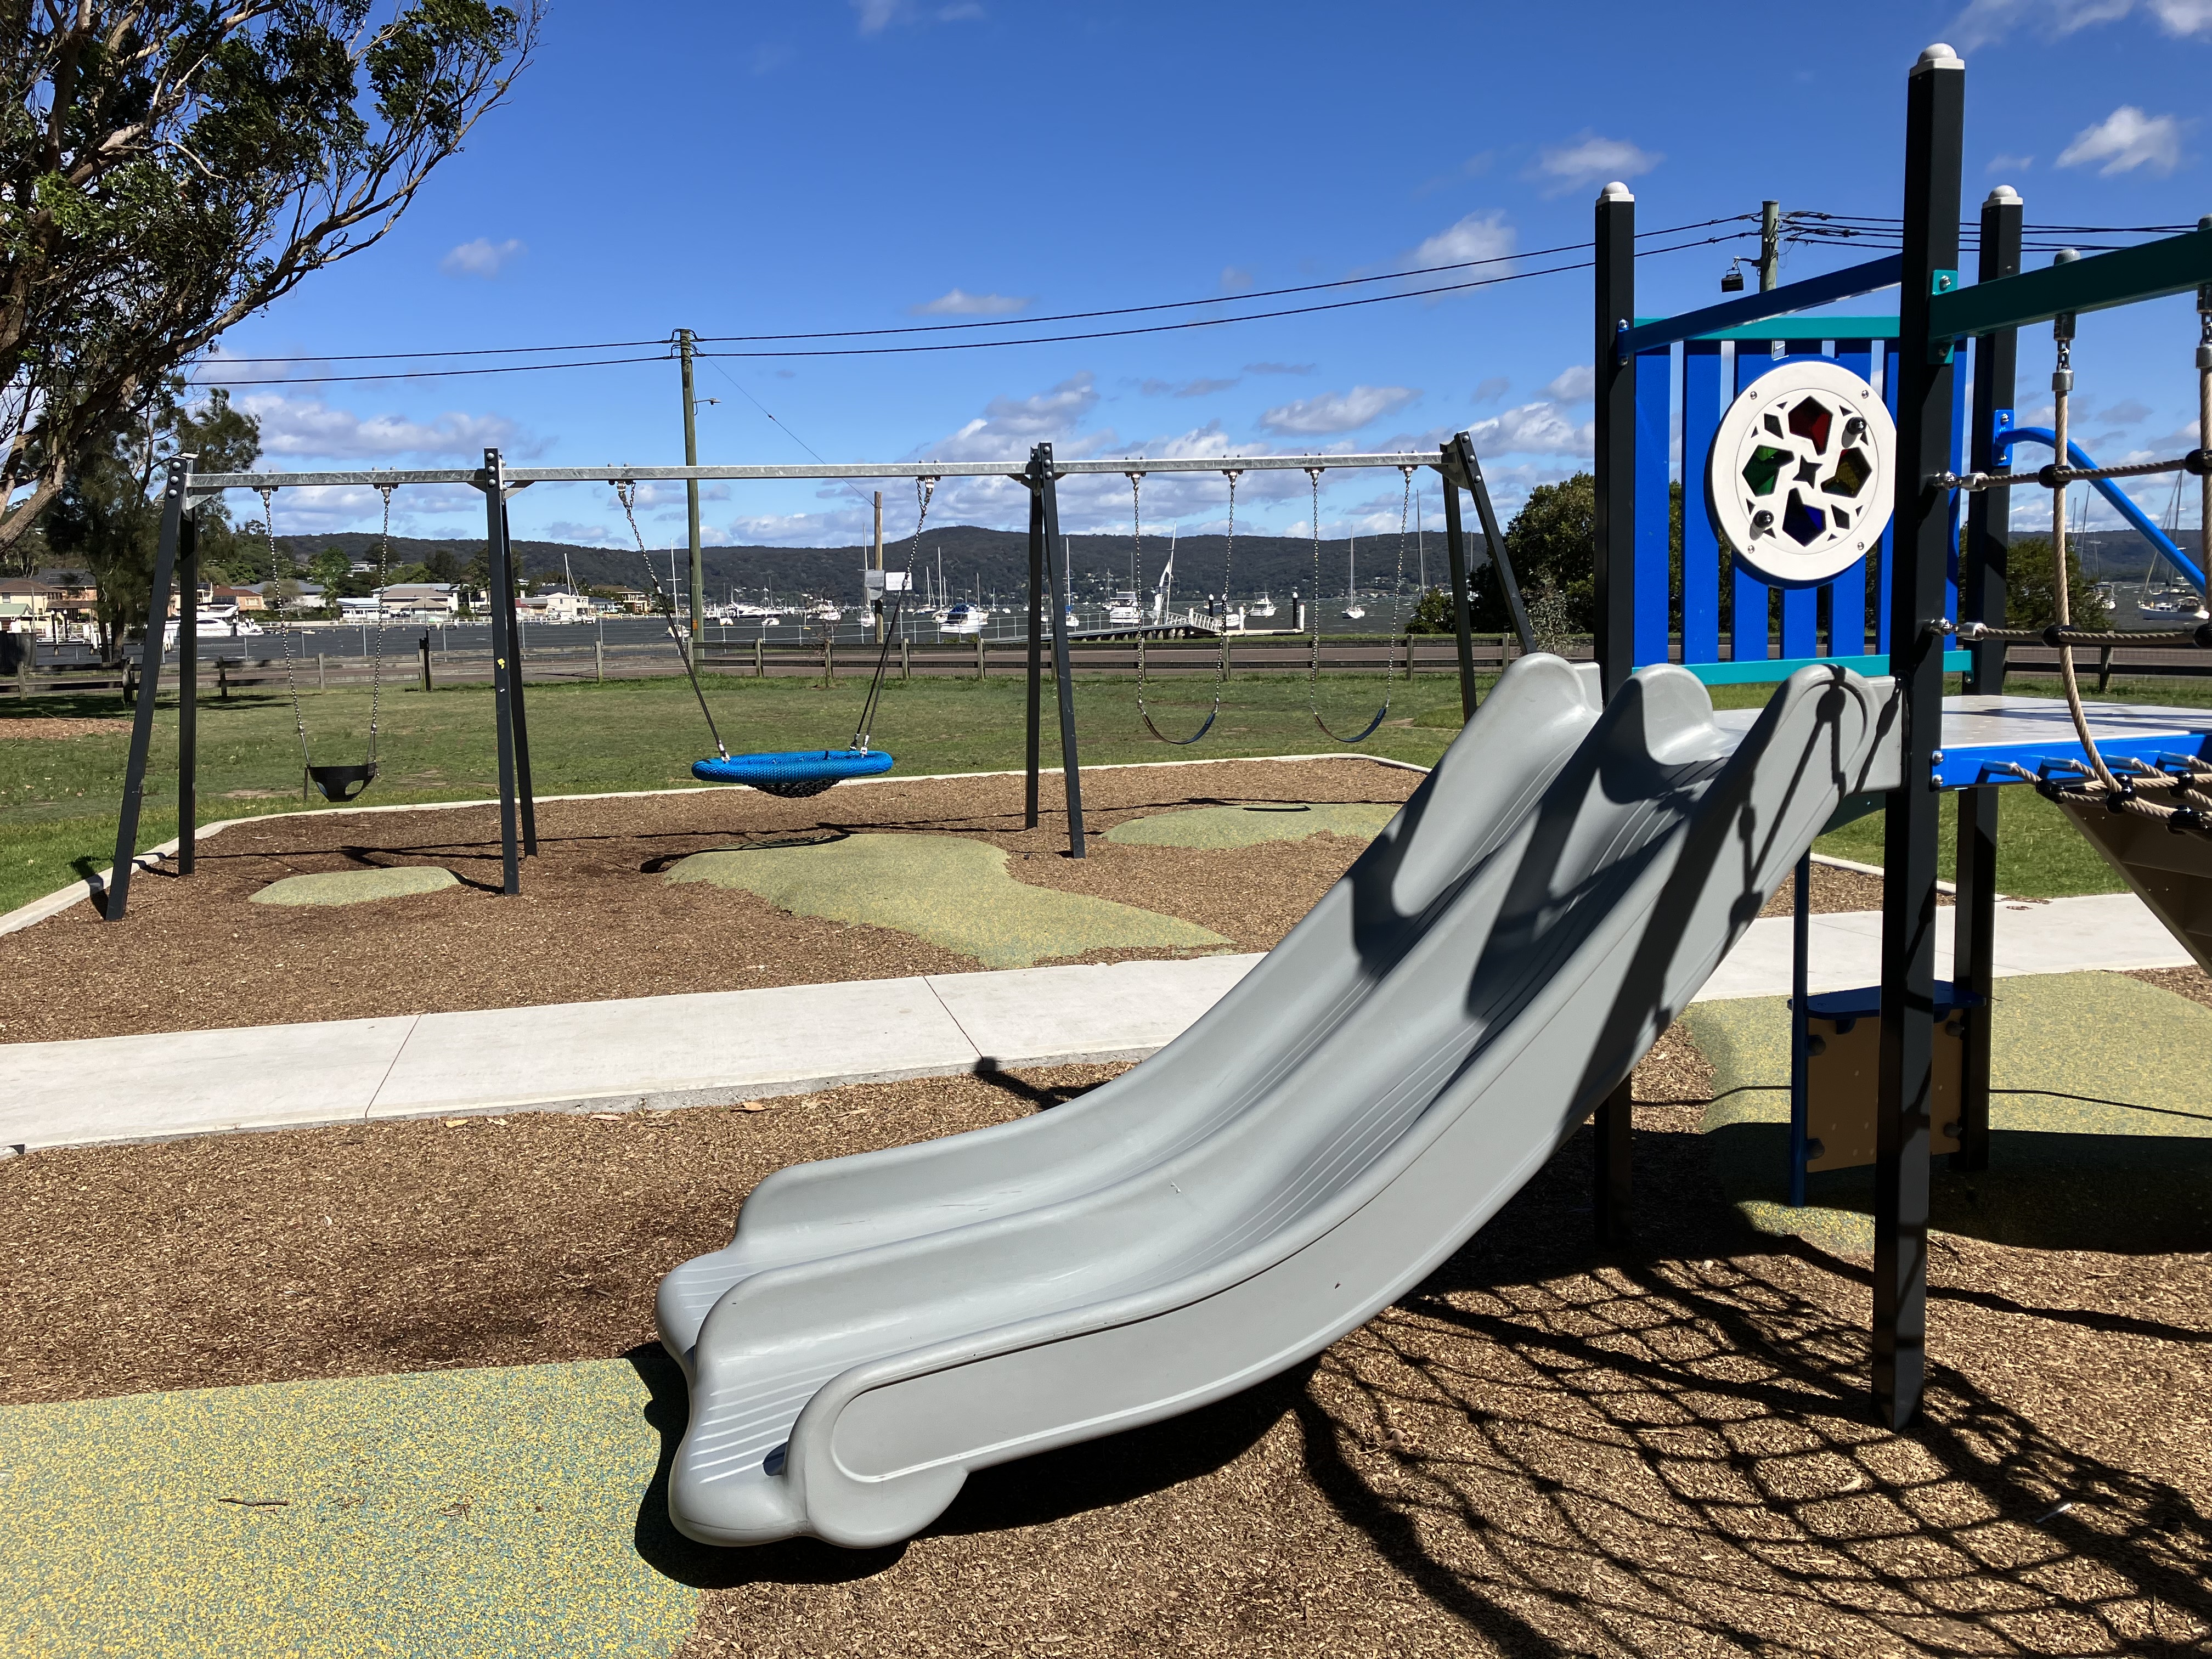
column 791, row 773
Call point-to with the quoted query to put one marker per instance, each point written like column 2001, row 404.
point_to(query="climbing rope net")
column 2175, row 790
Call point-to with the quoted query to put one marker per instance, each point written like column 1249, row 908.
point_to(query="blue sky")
column 751, row 169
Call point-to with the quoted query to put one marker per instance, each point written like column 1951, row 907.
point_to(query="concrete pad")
column 948, row 889
column 2058, row 936
column 1084, row 1013
column 496, row 1512
column 1250, row 826
column 145, row 1088
column 356, row 886
column 695, row 1049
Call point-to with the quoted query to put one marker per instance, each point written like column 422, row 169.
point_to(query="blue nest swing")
column 793, row 772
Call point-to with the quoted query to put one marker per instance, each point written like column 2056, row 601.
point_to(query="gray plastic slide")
column 1311, row 1148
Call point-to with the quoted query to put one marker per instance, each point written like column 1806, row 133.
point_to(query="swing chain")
column 924, row 491
column 283, row 627
column 1313, row 666
column 626, row 492
column 376, row 663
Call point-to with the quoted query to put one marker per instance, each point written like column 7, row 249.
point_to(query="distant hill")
column 998, row 560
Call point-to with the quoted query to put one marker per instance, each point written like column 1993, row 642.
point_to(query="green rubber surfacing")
column 2100, row 1123
column 946, row 889
column 1222, row 827
column 490, row 1513
column 357, row 887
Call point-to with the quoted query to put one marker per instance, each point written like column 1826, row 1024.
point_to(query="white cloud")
column 1590, row 160
column 1576, row 384
column 1477, row 236
column 1338, row 411
column 1986, row 21
column 1536, row 429
column 309, row 426
column 1279, row 368
column 958, row 303
column 2126, row 140
column 482, row 258
column 876, row 15
column 2010, row 164
column 1493, row 387
column 1236, row 278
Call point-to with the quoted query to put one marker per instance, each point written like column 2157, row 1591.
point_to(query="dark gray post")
column 1935, row 107
column 175, row 493
column 1494, row 538
column 1046, row 484
column 1462, row 624
column 1616, row 438
column 525, row 796
column 1982, row 599
column 188, row 688
column 1038, row 599
column 1801, row 1057
column 1614, row 1124
column 502, row 674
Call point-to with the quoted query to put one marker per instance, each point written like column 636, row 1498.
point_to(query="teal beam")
column 2173, row 264
column 1778, row 669
column 1802, row 328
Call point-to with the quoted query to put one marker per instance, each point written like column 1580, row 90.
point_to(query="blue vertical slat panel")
column 1882, row 575
column 1701, row 547
column 1847, row 618
column 1654, row 430
column 1747, row 626
column 1800, row 606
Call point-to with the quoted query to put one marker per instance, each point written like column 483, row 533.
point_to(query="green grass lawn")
column 58, row 799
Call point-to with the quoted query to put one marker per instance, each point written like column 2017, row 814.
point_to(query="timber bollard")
column 979, row 657
column 321, row 684
column 222, row 677
column 905, row 666
column 829, row 661
column 423, row 647
column 599, row 661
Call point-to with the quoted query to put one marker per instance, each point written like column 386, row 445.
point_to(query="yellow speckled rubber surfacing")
column 356, row 886
column 483, row 1513
column 2128, row 1169
column 946, row 889
column 1248, row 826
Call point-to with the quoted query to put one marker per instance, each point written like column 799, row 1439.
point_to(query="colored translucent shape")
column 1803, row 525
column 1764, row 467
column 1842, row 518
column 1851, row 473
column 1808, row 472
column 1811, row 419
column 1773, row 425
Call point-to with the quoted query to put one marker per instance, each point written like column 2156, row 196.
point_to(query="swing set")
column 788, row 773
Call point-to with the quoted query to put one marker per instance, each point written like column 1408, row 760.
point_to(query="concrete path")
column 659, row 1052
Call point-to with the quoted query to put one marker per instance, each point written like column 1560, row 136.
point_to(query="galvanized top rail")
column 208, row 484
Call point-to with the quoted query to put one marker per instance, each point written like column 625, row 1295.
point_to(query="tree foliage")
column 2032, row 588
column 168, row 167
column 107, row 518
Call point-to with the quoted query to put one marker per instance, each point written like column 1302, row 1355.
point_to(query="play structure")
column 802, row 772
column 1485, row 979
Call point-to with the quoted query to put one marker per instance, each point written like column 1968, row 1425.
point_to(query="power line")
column 432, row 373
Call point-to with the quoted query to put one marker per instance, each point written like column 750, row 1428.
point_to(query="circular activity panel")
column 1799, row 479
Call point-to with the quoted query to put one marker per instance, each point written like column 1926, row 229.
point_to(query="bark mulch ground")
column 1544, row 1448
column 594, row 919
column 2192, row 982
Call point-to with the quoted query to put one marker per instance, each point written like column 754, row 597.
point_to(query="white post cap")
column 1616, row 191
column 1939, row 56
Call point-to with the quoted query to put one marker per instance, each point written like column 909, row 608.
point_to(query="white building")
column 419, row 599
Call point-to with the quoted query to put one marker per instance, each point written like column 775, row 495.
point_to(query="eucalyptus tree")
column 168, row 167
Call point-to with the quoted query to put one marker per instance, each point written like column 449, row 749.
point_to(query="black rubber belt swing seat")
column 1221, row 664
column 1313, row 667
column 339, row 784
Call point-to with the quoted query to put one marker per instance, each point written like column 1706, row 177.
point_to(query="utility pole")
column 691, row 486
column 1769, row 245
column 878, row 565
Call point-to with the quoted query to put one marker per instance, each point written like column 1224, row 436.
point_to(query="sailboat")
column 1355, row 610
